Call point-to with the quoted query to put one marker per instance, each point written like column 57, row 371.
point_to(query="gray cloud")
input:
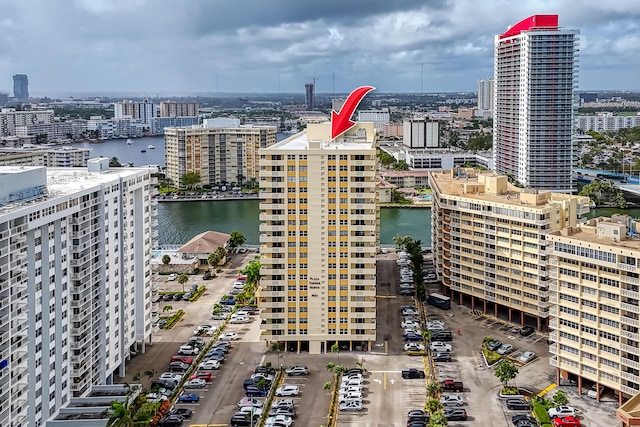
column 170, row 47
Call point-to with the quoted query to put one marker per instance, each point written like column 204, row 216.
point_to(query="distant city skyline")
column 148, row 47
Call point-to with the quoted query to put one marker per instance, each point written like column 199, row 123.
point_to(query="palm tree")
column 327, row 385
column 236, row 239
column 150, row 374
column 213, row 259
column 252, row 271
column 167, row 308
column 438, row 420
column 330, row 367
column 335, row 348
column 182, row 279
column 114, row 162
column 433, row 405
column 121, row 414
column 434, row 389
column 136, row 377
column 222, row 254
column 339, row 369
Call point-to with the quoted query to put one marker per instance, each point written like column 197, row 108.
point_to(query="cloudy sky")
column 204, row 46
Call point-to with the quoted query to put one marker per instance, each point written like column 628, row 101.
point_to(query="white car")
column 350, row 395
column 440, row 347
column 346, row 381
column 451, row 400
column 195, row 383
column 250, row 401
column 209, row 365
column 239, row 319
column 593, row 392
column 206, row 329
column 251, row 410
column 505, row 349
column 156, row 397
column 435, row 322
column 435, row 328
column 413, row 346
column 347, row 389
column 238, row 285
column 527, row 357
column 279, row 420
column 407, row 311
column 171, row 376
column 410, row 324
column 352, row 406
column 172, row 276
column 259, row 376
column 228, row 336
column 187, row 350
column 287, row 390
column 297, row 370
column 562, row 411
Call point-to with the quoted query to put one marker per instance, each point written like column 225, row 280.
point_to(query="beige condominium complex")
column 595, row 293
column 319, row 231
column 489, row 241
column 221, row 156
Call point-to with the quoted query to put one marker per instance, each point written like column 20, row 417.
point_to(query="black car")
column 518, row 404
column 493, row 345
column 442, row 357
column 177, row 297
column 525, row 331
column 183, row 412
column 406, row 292
column 288, row 412
column 206, row 275
column 164, row 384
column 171, row 421
column 240, row 420
column 521, row 418
column 418, row 419
column 167, row 297
column 441, row 336
column 455, row 414
column 416, row 413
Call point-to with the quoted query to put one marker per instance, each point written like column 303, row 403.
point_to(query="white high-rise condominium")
column 319, row 231
column 485, row 94
column 75, row 290
column 535, row 72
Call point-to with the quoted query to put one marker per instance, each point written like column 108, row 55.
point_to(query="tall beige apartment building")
column 489, row 241
column 595, row 291
column 178, row 109
column 319, row 231
column 220, row 155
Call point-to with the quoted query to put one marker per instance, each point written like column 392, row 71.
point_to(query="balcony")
column 629, row 376
column 629, row 321
column 630, row 349
column 629, row 294
column 553, row 323
column 630, row 307
column 630, row 363
column 553, row 361
column 630, row 335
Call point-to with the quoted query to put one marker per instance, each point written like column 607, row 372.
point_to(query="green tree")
column 166, row 259
column 252, row 271
column 339, row 370
column 262, row 384
column 335, row 349
column 327, row 385
column 121, row 414
column 213, row 259
column 330, row 367
column 236, row 239
column 401, row 166
column 433, row 405
column 190, row 179
column 385, row 158
column 604, row 192
column 438, row 420
column 560, row 398
column 167, row 308
column 505, row 371
column 150, row 374
column 114, row 162
column 182, row 279
column 222, row 254
column 253, row 183
column 434, row 389
column 136, row 377
column 486, row 340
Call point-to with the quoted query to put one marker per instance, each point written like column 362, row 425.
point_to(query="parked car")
column 493, row 345
column 249, row 401
column 156, row 397
column 413, row 346
column 283, row 403
column 228, row 336
column 455, row 414
column 252, row 391
column 206, row 275
column 209, row 365
column 287, row 390
column 527, row 357
column 352, row 406
column 181, row 358
column 440, row 346
column 204, row 375
column 525, row 331
column 441, row 336
column 171, row 421
column 505, row 349
column 195, row 383
column 406, row 292
column 177, row 297
column 188, row 350
column 562, row 411
column 265, row 370
column 172, row 277
column 220, row 316
column 279, row 420
column 344, row 396
column 409, row 310
column 451, row 400
column 170, row 376
column 205, row 329
column 593, row 392
column 166, row 384
column 167, row 297
column 178, row 367
column 297, row 370
column 441, row 357
column 567, row 421
column 187, row 295
column 188, row 398
column 517, row 404
column 413, row 337
column 182, row 412
column 289, row 412
column 520, row 418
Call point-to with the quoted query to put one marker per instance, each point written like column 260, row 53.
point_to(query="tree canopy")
column 604, row 193
column 190, row 179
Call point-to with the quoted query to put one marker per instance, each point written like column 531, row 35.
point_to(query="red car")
column 567, row 421
column 205, row 375
column 184, row 359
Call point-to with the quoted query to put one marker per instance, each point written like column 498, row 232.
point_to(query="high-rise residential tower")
column 319, row 231
column 535, row 72
column 309, row 95
column 485, row 94
column 75, row 282
column 21, row 87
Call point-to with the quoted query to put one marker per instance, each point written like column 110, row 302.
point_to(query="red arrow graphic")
column 341, row 122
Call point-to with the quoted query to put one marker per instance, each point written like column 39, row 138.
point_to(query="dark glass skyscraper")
column 309, row 90
column 21, row 87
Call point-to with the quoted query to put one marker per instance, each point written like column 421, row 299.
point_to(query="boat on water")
column 129, row 141
column 143, row 151
column 150, row 147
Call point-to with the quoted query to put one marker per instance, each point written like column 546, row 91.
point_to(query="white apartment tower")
column 485, row 94
column 535, row 73
column 75, row 291
column 319, row 231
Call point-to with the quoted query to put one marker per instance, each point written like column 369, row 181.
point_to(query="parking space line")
column 384, row 379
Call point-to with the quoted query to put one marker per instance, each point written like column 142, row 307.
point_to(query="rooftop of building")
column 618, row 231
column 361, row 136
column 488, row 186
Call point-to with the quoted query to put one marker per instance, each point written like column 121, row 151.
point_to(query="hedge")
column 197, row 293
column 174, row 319
column 491, row 356
column 542, row 414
